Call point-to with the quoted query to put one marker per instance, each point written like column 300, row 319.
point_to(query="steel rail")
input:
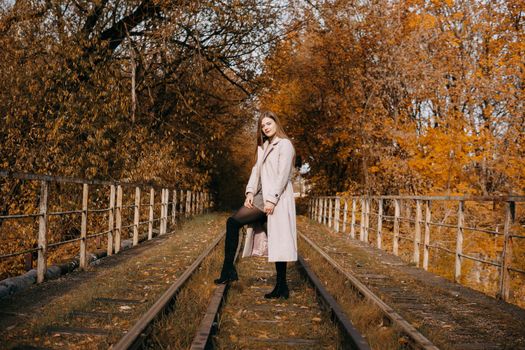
column 352, row 338
column 57, row 244
column 10, row 255
column 99, row 210
column 66, row 179
column 439, row 247
column 504, row 198
column 202, row 339
column 419, row 341
column 19, row 216
column 58, row 213
column 135, row 335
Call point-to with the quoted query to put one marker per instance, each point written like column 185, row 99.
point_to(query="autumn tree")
column 405, row 97
column 139, row 90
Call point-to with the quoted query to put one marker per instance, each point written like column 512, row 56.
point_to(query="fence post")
column 188, row 203
column 174, row 208
column 379, row 222
column 426, row 247
column 181, row 203
column 194, row 203
column 321, row 216
column 345, row 214
column 83, row 227
column 363, row 220
column 166, row 206
column 330, row 212
column 367, row 218
column 324, row 211
column 459, row 241
column 352, row 220
column 151, row 212
column 417, row 233
column 118, row 219
column 162, row 206
column 111, row 219
column 42, row 233
column 136, row 217
column 397, row 212
column 506, row 254
column 337, row 213
column 319, row 210
column 407, row 216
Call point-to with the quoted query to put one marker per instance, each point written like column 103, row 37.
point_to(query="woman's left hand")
column 268, row 208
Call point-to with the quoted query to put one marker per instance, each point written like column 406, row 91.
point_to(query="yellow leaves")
column 423, row 21
column 373, row 169
column 448, row 3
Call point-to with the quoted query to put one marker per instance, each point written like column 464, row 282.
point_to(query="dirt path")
column 450, row 315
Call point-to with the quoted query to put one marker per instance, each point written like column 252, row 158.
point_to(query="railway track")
column 136, row 335
column 450, row 315
column 97, row 308
column 416, row 339
column 301, row 322
column 350, row 338
column 206, row 336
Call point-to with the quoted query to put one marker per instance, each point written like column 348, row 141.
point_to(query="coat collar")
column 269, row 147
column 275, row 141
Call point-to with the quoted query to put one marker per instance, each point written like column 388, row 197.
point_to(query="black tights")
column 242, row 217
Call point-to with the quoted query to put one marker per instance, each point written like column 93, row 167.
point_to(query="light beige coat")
column 274, row 167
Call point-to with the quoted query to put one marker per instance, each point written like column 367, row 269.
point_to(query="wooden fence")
column 352, row 216
column 183, row 204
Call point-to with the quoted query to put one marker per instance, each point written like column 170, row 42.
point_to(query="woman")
column 270, row 199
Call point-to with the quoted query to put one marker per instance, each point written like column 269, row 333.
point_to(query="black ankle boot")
column 280, row 291
column 227, row 275
column 281, row 288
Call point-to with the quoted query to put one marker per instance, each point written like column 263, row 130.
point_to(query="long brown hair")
column 261, row 138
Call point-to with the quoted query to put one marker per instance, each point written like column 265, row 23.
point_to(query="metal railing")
column 335, row 211
column 184, row 203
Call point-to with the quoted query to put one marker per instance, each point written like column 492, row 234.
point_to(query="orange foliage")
column 405, row 97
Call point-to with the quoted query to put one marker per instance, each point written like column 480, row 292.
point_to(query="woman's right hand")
column 248, row 202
